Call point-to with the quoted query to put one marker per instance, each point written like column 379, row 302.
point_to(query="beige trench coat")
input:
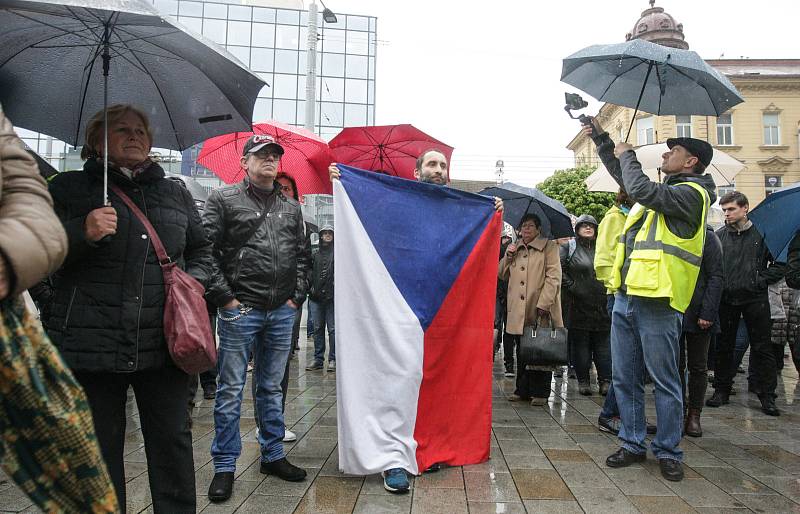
column 534, row 281
column 32, row 238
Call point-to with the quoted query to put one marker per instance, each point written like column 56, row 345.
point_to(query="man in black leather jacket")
column 749, row 270
column 260, row 276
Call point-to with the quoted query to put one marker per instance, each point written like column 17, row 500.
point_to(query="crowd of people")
column 649, row 294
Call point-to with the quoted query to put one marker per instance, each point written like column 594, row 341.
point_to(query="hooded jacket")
column 749, row 267
column 583, row 296
column 321, row 289
column 681, row 205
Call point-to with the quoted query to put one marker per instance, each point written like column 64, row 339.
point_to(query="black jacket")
column 272, row 265
column 708, row 289
column 749, row 267
column 793, row 263
column 584, row 297
column 108, row 300
column 322, row 274
column 681, row 205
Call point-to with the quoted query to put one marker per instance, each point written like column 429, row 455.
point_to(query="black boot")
column 623, row 458
column 768, row 406
column 282, row 469
column 221, row 487
column 718, row 399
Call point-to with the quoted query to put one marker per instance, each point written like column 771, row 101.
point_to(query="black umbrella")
column 650, row 77
column 54, row 55
column 519, row 200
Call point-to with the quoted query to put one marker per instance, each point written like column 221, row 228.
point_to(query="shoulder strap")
column 163, row 257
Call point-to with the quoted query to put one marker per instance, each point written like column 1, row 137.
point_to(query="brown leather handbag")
column 187, row 328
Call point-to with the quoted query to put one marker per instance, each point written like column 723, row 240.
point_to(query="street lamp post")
column 311, row 60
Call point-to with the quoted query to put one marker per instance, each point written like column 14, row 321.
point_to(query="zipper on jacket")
column 238, row 266
column 69, row 307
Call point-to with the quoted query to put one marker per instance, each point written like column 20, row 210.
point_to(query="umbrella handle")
column 639, row 101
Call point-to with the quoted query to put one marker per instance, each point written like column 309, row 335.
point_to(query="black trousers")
column 694, row 352
column 531, row 383
column 161, row 399
column 762, row 356
column 588, row 346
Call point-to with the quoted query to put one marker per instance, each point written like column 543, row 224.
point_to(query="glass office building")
column 270, row 37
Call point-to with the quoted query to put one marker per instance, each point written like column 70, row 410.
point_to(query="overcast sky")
column 484, row 77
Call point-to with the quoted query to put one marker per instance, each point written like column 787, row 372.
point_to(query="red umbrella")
column 391, row 149
column 306, row 159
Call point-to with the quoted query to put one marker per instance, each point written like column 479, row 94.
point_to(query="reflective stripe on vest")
column 662, row 265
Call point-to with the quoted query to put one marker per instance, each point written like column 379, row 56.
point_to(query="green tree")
column 569, row 188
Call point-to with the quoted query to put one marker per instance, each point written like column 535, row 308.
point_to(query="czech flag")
column 415, row 279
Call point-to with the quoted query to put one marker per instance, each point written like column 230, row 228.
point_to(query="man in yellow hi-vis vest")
column 655, row 269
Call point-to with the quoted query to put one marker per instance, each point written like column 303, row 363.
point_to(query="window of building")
column 333, row 65
column 264, row 14
column 285, row 111
column 285, row 61
column 215, row 30
column 262, row 59
column 357, row 66
column 333, row 40
column 190, row 8
column 288, row 17
column 725, row 189
column 355, row 91
column 683, row 126
column 772, row 129
column 264, row 35
column 772, row 183
column 357, row 43
column 285, row 86
column 331, row 89
column 239, row 33
column 355, row 115
column 287, row 37
column 241, row 52
column 240, row 12
column 725, row 130
column 645, row 131
column 331, row 114
column 215, row 11
column 193, row 24
column 167, row 6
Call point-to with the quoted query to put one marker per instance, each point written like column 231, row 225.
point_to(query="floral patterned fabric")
column 47, row 440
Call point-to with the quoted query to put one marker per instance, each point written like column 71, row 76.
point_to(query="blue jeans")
column 610, row 409
column 322, row 312
column 269, row 335
column 645, row 334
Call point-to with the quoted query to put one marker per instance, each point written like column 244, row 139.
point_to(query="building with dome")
column 763, row 132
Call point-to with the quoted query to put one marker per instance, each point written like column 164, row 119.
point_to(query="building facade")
column 763, row 132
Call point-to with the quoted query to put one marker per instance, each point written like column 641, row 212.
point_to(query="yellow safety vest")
column 662, row 265
column 605, row 250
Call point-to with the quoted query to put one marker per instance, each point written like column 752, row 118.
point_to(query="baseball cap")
column 259, row 141
column 697, row 147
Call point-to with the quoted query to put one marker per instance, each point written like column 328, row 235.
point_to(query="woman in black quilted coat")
column 107, row 312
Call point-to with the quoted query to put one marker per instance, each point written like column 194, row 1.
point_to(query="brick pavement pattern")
column 544, row 459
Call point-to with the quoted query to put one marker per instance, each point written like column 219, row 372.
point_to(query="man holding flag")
column 415, row 271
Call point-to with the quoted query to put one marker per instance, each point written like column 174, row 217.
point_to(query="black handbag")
column 543, row 346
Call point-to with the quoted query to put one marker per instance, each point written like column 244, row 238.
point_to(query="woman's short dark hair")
column 283, row 174
column 531, row 217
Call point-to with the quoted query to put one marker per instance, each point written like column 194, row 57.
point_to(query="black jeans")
column 531, row 383
column 694, row 350
column 762, row 357
column 161, row 399
column 588, row 345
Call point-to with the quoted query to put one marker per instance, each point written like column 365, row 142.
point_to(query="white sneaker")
column 289, row 436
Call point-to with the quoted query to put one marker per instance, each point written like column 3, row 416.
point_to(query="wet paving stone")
column 543, row 460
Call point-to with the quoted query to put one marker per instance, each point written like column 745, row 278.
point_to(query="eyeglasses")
column 286, row 189
column 267, row 154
